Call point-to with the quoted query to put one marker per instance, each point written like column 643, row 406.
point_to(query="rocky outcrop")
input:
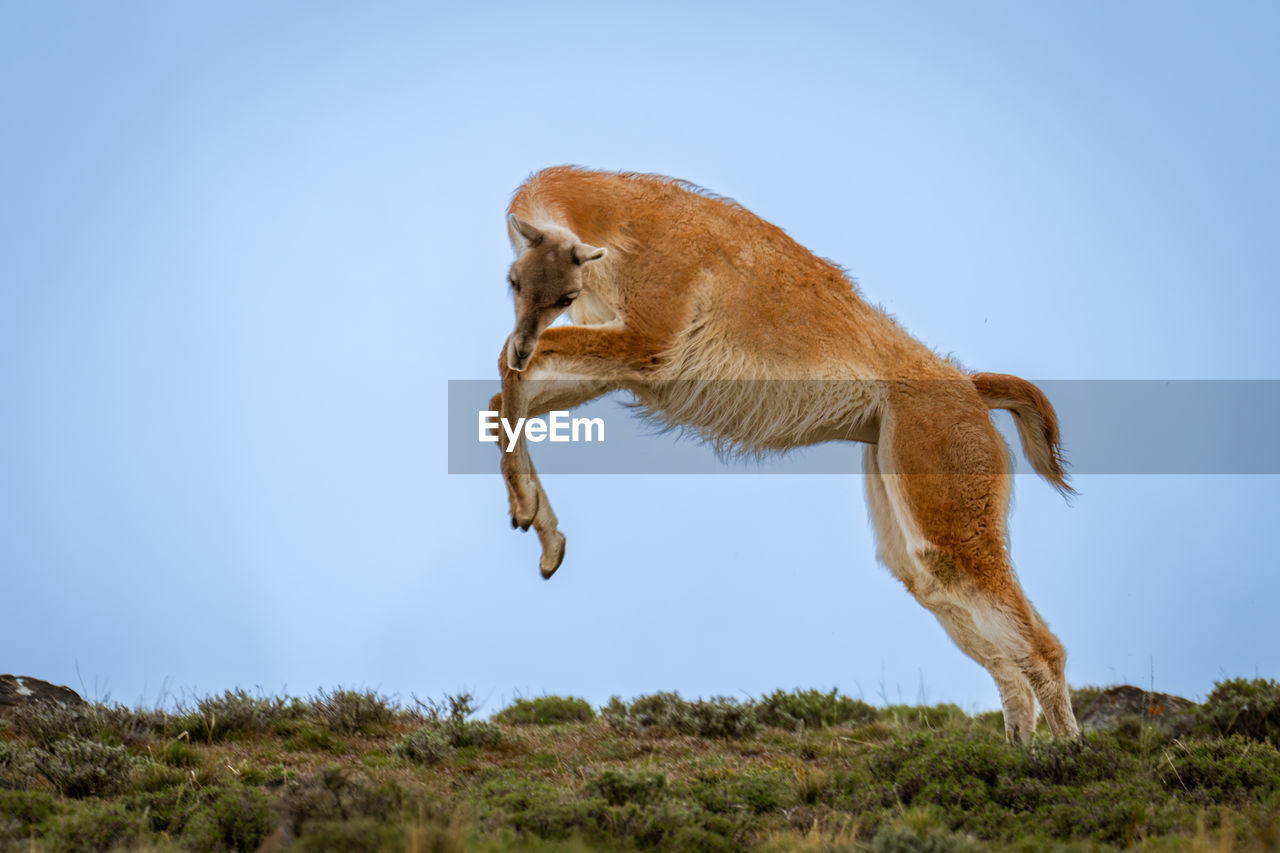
column 18, row 690
column 1116, row 704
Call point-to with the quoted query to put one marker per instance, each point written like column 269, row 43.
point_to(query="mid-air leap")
column 719, row 322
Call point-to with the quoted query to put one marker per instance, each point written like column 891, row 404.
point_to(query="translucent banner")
column 1107, row 427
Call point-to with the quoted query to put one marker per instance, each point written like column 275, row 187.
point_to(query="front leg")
column 527, row 499
column 571, row 366
column 523, row 489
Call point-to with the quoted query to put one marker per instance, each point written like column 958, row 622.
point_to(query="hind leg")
column 947, row 488
column 1017, row 699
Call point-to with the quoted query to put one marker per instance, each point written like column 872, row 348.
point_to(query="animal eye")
column 515, row 285
column 566, row 301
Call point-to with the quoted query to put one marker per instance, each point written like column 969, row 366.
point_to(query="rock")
column 22, row 690
column 1116, row 704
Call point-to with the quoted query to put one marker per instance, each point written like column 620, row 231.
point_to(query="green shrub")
column 711, row 792
column 45, row 724
column 928, row 717
column 980, row 775
column 760, row 793
column 718, row 717
column 129, row 726
column 642, row 712
column 458, row 731
column 451, row 708
column 902, row 839
column 809, row 785
column 674, row 825
column 534, row 807
column 179, row 753
column 877, row 731
column 94, row 827
column 306, row 738
column 351, row 711
column 166, row 809
column 663, row 710
column 272, row 775
column 944, row 767
column 698, row 839
column 812, row 709
column 336, row 794
column 754, row 793
column 78, row 767
column 24, row 810
column 15, row 766
column 1116, row 813
column 237, row 819
column 472, row 733
column 1243, row 707
column 362, row 835
column 545, row 710
column 618, row 788
column 1233, row 770
column 233, row 713
column 1070, row 762
column 425, row 746
column 990, row 720
column 447, row 729
column 152, row 776
column 976, row 782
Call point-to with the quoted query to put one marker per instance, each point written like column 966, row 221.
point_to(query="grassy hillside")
column 804, row 770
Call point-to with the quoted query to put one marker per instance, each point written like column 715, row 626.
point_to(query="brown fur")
column 718, row 322
column 1036, row 421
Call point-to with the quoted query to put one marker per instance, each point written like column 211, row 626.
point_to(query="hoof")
column 521, row 517
column 552, row 556
column 524, row 520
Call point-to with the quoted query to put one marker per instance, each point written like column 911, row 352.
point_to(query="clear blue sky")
column 245, row 246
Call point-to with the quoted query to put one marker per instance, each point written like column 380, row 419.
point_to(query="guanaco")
column 718, row 322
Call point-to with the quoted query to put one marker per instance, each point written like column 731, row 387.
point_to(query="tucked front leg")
column 517, row 470
column 572, row 365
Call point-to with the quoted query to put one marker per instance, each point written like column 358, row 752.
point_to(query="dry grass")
column 293, row 778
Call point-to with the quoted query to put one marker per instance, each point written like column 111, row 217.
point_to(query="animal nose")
column 519, row 353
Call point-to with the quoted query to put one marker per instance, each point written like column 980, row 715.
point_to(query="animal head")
column 545, row 279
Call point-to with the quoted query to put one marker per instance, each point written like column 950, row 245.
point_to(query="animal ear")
column 584, row 254
column 530, row 235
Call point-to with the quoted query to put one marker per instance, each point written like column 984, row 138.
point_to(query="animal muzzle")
column 519, row 351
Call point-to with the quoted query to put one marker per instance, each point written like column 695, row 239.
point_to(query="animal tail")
column 1037, row 423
